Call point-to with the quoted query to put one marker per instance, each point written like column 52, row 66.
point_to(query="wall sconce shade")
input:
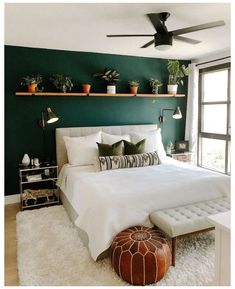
column 177, row 113
column 50, row 117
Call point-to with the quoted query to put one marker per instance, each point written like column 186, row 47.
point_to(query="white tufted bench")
column 189, row 219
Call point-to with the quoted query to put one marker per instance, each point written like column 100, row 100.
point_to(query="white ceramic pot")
column 26, row 160
column 111, row 89
column 172, row 88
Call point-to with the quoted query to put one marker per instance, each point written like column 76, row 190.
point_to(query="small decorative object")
column 111, row 77
column 86, row 88
column 176, row 74
column 32, row 82
column 134, row 84
column 155, row 84
column 169, row 148
column 61, row 82
column 182, row 146
column 26, row 160
column 47, row 172
column 140, row 255
column 36, row 162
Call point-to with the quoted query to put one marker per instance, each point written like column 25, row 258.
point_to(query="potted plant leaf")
column 61, row 82
column 31, row 81
column 111, row 77
column 176, row 74
column 134, row 84
column 155, row 84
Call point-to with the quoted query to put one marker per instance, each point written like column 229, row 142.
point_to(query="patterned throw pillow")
column 127, row 161
column 110, row 150
column 131, row 148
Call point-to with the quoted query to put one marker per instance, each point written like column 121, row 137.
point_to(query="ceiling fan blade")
column 130, row 35
column 198, row 27
column 147, row 44
column 155, row 20
column 186, row 39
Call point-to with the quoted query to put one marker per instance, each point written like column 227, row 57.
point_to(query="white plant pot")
column 111, row 89
column 172, row 88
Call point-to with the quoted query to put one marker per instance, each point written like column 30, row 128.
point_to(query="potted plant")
column 61, row 82
column 31, row 81
column 155, row 84
column 176, row 74
column 134, row 84
column 111, row 77
column 86, row 87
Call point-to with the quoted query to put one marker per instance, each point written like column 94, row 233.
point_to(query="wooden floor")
column 11, row 273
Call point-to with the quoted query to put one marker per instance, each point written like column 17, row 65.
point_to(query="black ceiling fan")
column 163, row 38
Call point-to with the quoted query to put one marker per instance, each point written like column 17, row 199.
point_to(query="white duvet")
column 110, row 201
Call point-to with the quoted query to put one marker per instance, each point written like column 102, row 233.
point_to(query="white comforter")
column 110, row 201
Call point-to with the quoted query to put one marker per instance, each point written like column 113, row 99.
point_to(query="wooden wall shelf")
column 96, row 94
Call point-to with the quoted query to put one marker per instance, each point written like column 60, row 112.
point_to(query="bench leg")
column 173, row 243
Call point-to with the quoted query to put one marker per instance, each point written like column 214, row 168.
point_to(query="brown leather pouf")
column 140, row 255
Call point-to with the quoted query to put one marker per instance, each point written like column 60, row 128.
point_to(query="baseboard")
column 12, row 199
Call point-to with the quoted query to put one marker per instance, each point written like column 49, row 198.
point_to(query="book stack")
column 33, row 178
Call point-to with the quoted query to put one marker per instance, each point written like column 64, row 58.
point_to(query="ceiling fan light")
column 163, row 47
column 163, row 41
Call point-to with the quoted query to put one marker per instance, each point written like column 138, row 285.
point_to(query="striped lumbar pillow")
column 127, row 161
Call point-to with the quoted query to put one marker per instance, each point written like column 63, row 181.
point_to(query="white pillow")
column 153, row 141
column 112, row 138
column 82, row 150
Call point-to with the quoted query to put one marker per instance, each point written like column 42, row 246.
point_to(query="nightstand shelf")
column 38, row 186
column 36, row 181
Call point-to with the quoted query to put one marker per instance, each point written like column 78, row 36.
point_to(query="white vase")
column 111, row 89
column 172, row 88
column 26, row 160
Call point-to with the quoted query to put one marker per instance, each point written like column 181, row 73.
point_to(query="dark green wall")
column 22, row 133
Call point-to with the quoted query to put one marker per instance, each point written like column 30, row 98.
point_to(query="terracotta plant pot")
column 133, row 89
column 86, row 88
column 32, row 87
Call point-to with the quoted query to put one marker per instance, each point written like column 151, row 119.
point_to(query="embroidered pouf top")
column 140, row 255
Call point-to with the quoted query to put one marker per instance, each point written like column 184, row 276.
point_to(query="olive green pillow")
column 115, row 149
column 132, row 149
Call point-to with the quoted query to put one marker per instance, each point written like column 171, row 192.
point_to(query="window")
column 214, row 118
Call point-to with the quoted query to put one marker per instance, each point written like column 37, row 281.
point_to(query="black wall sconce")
column 176, row 114
column 47, row 117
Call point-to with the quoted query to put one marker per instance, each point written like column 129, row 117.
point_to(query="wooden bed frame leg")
column 173, row 242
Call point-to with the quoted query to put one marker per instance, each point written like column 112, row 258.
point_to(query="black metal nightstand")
column 38, row 186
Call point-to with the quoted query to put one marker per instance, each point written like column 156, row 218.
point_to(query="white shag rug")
column 50, row 252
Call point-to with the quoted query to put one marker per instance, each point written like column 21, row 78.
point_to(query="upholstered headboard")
column 61, row 153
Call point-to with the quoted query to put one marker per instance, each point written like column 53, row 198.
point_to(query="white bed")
column 104, row 203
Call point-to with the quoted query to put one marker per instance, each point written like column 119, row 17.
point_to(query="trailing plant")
column 62, row 82
column 134, row 83
column 176, row 72
column 109, row 75
column 155, row 83
column 31, row 79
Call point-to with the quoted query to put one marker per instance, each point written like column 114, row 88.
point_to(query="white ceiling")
column 83, row 27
